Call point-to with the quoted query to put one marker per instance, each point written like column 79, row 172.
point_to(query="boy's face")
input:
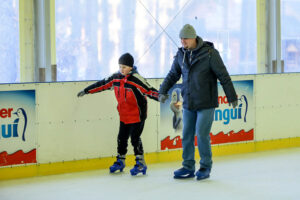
column 124, row 69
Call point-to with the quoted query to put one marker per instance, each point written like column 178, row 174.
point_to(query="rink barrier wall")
column 35, row 170
column 77, row 134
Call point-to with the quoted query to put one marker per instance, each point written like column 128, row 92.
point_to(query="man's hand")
column 234, row 103
column 162, row 97
column 81, row 93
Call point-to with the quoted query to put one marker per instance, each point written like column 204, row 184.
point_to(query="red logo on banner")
column 220, row 138
column 18, row 157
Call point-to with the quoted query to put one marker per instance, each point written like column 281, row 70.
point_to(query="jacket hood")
column 199, row 43
column 134, row 70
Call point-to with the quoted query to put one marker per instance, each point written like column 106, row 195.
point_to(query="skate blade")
column 184, row 177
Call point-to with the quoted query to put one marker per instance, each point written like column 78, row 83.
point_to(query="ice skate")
column 203, row 173
column 139, row 167
column 183, row 173
column 118, row 165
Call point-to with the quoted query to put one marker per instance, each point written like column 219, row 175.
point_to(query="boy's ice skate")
column 139, row 167
column 118, row 165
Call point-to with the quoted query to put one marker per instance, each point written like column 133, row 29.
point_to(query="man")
column 200, row 65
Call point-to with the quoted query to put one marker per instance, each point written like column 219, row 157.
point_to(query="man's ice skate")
column 139, row 167
column 203, row 173
column 118, row 165
column 183, row 173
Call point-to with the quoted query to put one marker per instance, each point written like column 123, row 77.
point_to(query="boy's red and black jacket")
column 131, row 91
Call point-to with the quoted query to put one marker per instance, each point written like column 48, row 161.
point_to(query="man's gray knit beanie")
column 187, row 31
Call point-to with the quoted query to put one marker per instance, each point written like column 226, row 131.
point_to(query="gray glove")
column 234, row 103
column 81, row 93
column 163, row 97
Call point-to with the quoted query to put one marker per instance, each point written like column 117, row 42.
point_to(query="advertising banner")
column 17, row 127
column 230, row 124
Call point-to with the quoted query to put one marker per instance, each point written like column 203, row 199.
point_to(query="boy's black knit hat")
column 126, row 59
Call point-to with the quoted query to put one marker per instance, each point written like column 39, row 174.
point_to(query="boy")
column 130, row 90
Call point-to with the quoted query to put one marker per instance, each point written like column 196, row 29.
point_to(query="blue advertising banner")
column 17, row 127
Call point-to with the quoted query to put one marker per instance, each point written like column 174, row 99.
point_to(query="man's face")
column 124, row 69
column 189, row 43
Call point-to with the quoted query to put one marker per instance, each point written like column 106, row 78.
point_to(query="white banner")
column 17, row 127
column 230, row 124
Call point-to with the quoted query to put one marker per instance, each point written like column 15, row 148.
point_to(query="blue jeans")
column 198, row 122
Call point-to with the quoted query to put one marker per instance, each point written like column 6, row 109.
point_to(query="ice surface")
column 262, row 175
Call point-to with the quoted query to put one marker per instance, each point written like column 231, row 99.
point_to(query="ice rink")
column 263, row 175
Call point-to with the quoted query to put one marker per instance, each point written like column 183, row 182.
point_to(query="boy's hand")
column 162, row 97
column 81, row 93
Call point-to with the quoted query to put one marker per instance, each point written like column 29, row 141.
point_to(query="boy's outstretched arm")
column 142, row 84
column 153, row 94
column 99, row 86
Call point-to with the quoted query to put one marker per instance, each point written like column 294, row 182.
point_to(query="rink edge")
column 24, row 171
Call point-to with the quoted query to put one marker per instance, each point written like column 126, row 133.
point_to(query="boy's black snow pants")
column 134, row 131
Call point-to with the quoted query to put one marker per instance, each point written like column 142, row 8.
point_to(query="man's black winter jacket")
column 200, row 69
